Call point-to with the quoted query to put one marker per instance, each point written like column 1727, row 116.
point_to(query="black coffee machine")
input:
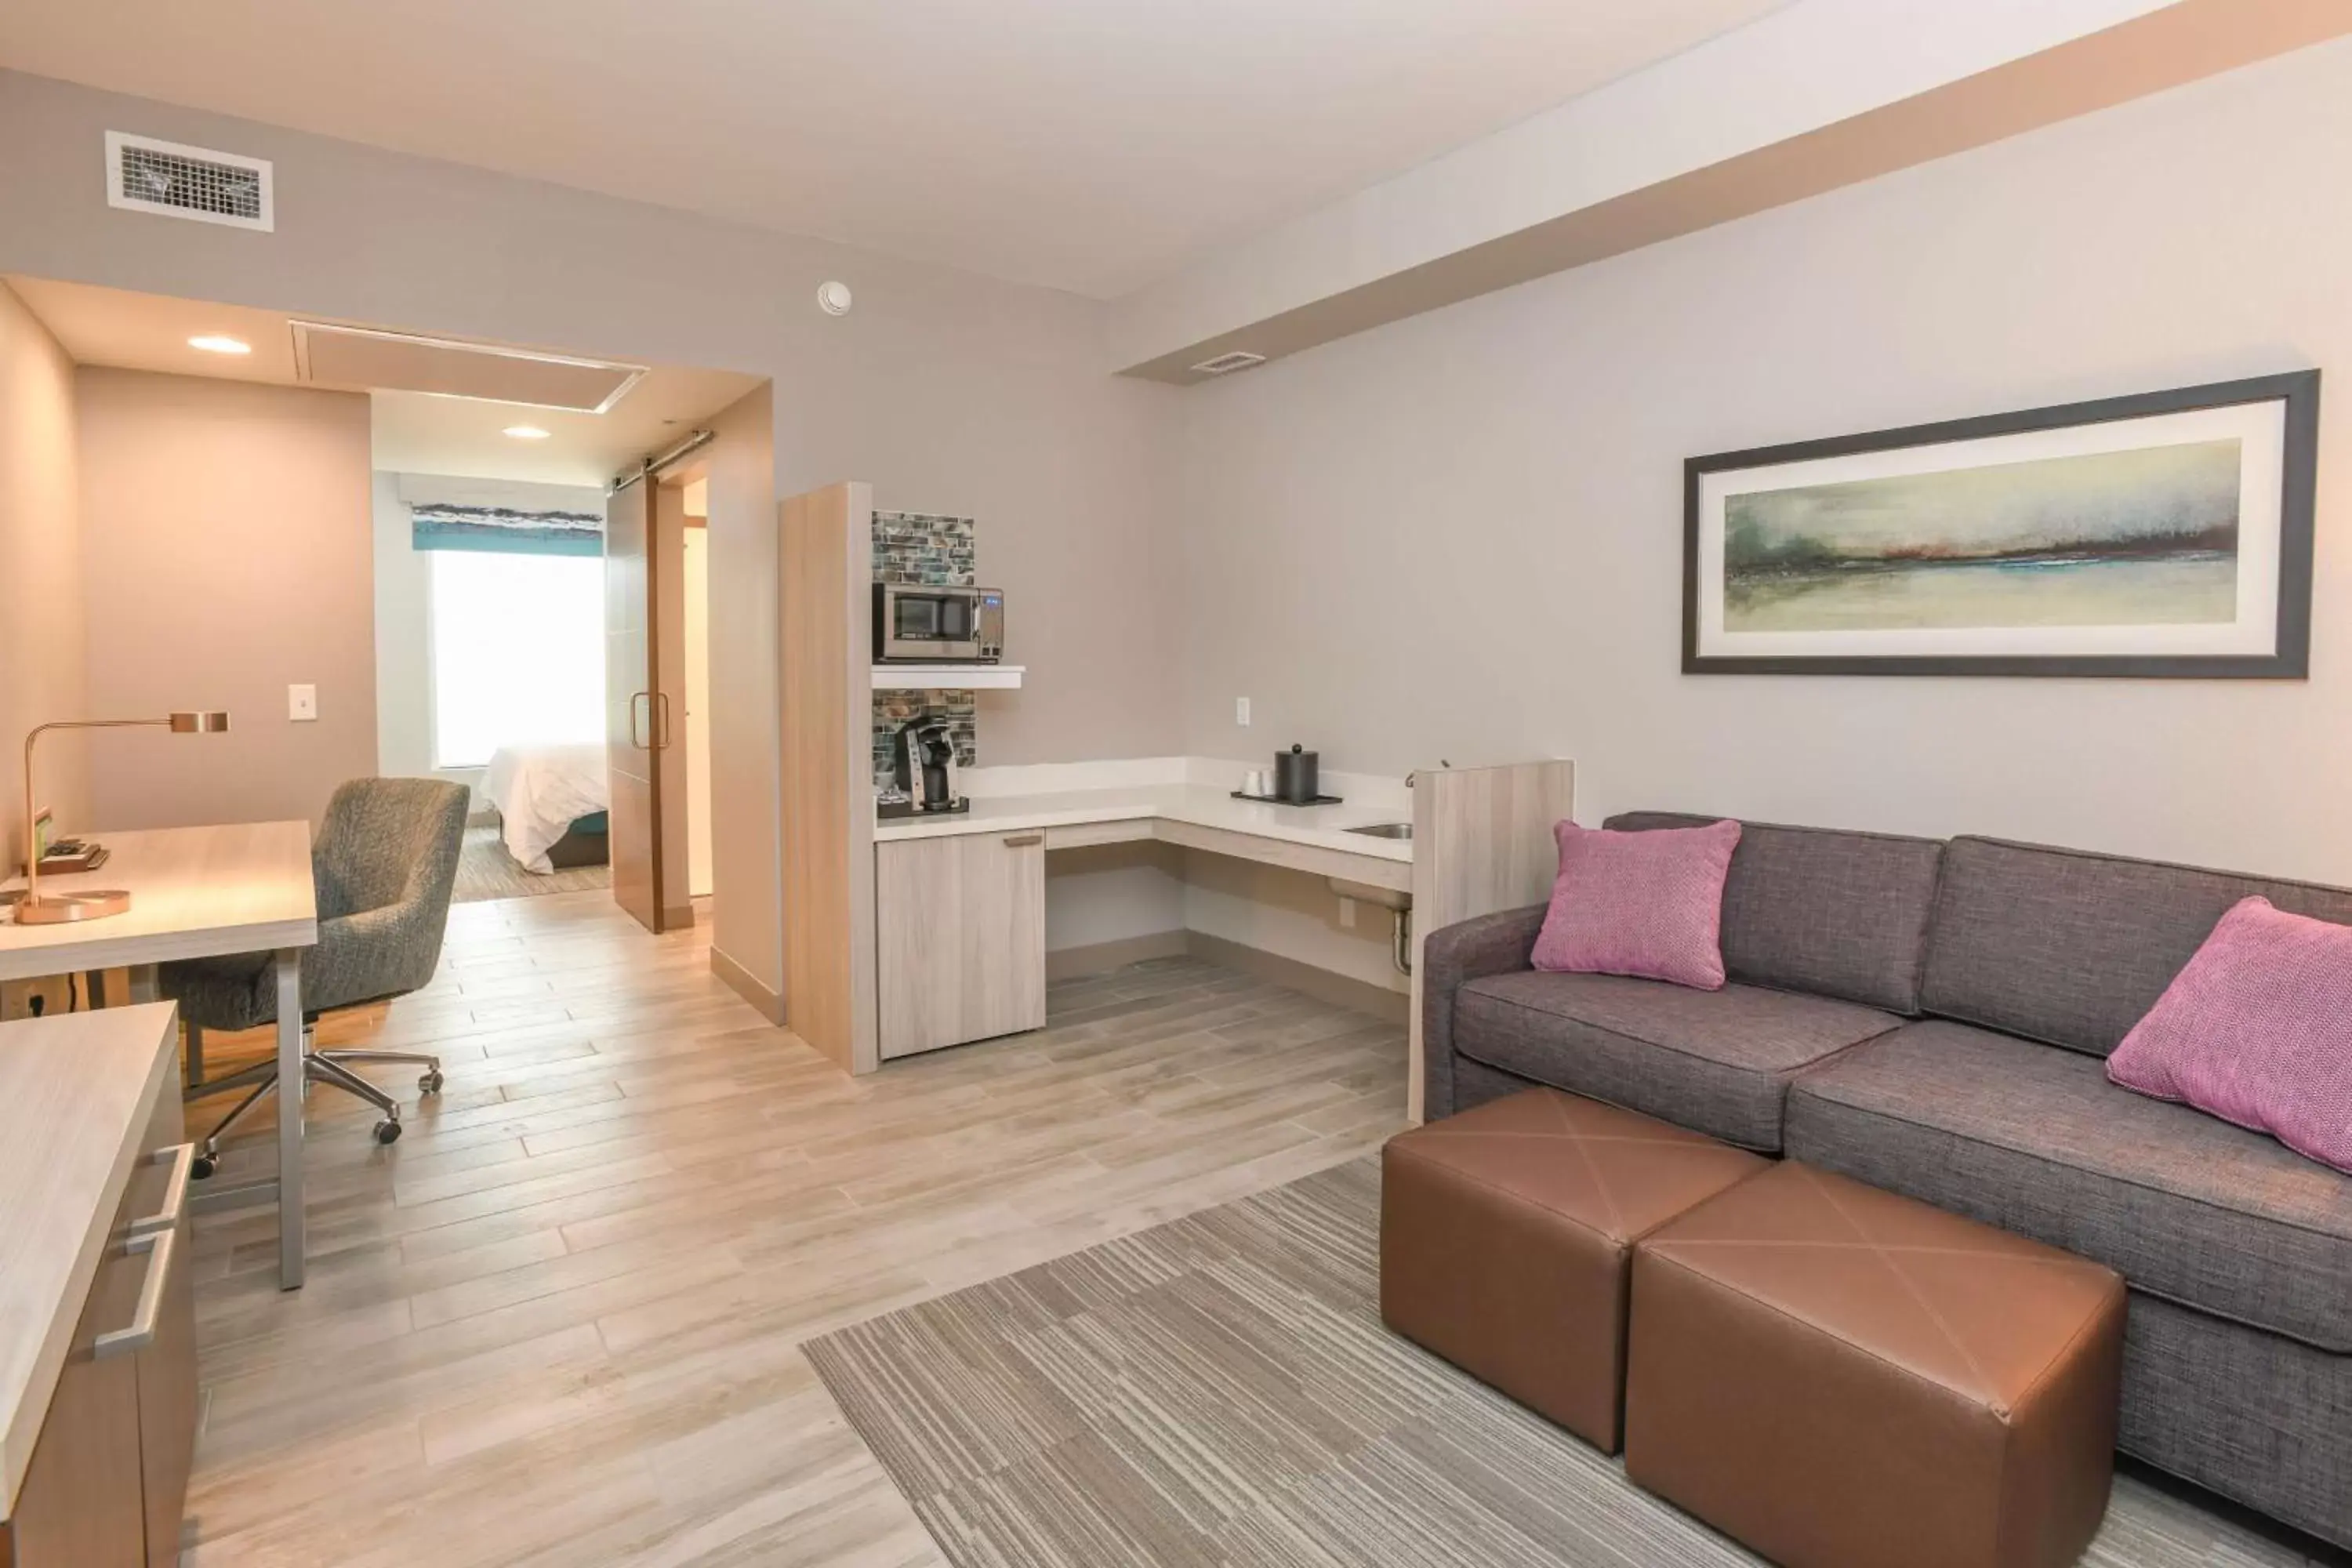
column 923, row 764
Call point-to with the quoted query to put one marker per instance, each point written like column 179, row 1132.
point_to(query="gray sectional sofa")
column 1931, row 1017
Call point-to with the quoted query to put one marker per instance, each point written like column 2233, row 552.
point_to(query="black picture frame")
column 2290, row 658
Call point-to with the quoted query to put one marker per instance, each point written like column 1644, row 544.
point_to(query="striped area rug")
column 1220, row 1390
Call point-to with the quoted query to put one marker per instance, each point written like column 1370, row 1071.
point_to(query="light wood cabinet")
column 960, row 929
column 107, row 1481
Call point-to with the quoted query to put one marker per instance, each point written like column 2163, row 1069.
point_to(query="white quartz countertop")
column 76, row 1092
column 1195, row 804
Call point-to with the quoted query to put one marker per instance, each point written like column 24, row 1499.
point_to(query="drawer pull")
column 181, row 1158
column 1023, row 840
column 159, row 1246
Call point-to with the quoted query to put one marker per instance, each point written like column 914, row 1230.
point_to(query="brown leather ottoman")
column 1506, row 1232
column 1834, row 1376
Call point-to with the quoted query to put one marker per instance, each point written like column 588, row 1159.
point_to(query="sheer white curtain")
column 518, row 652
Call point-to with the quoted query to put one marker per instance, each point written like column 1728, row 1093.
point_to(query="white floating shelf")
column 949, row 676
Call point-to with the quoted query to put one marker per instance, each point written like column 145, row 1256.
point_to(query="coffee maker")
column 924, row 767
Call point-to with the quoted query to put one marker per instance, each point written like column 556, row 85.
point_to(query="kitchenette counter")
column 1195, row 815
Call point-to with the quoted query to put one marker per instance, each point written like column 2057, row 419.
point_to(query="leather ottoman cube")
column 1506, row 1233
column 1833, row 1376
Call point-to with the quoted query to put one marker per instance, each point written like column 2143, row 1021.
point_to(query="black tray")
column 904, row 810
column 1277, row 800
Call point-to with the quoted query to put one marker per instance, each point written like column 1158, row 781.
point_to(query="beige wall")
column 227, row 537
column 40, row 560
column 745, row 702
column 946, row 391
column 1460, row 535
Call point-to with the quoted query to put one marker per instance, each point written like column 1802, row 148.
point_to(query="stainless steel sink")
column 1385, row 830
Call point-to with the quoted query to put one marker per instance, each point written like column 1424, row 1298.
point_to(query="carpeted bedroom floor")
column 1220, row 1391
column 485, row 871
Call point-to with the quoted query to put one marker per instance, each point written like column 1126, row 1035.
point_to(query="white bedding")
column 538, row 790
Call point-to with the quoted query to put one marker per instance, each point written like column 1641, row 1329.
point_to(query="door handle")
column 635, row 697
column 159, row 1246
column 1023, row 840
column 181, row 1158
column 661, row 726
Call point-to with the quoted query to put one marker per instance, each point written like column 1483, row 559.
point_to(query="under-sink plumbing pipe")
column 1401, row 932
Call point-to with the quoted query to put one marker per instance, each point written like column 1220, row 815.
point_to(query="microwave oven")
column 924, row 622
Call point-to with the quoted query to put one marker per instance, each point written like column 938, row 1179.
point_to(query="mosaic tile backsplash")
column 923, row 547
column 920, row 547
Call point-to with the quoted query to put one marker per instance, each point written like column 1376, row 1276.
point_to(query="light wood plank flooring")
column 559, row 1322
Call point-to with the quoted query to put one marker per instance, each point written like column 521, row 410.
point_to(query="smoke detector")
column 169, row 179
column 1225, row 364
column 832, row 298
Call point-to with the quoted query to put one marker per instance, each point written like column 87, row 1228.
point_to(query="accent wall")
column 1460, row 536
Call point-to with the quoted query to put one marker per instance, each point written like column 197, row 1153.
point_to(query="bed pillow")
column 1645, row 904
column 2257, row 1029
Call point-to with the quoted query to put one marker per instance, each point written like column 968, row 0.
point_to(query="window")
column 518, row 652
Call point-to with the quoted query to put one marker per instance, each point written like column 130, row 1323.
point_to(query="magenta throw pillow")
column 1646, row 904
column 2257, row 1029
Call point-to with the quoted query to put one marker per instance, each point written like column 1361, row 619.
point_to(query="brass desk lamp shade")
column 36, row 907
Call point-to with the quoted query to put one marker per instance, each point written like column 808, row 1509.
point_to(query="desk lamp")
column 56, row 909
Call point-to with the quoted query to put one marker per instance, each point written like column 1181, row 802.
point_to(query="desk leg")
column 144, row 985
column 289, row 1118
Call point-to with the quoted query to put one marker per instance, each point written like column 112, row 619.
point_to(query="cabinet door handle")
column 181, row 1158
column 1023, row 840
column 159, row 1246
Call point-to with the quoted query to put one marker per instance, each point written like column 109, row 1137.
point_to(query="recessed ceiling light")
column 526, row 432
column 218, row 344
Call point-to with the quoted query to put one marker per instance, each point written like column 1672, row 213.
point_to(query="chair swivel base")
column 318, row 1066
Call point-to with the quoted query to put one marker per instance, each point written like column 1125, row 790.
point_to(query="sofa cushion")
column 1814, row 909
column 1644, row 904
column 2072, row 947
column 2038, row 1141
column 2257, row 1030
column 1718, row 1062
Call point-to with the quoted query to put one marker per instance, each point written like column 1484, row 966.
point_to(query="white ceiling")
column 1091, row 145
column 417, row 433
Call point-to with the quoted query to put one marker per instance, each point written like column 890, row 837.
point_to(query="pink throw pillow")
column 1645, row 904
column 2257, row 1029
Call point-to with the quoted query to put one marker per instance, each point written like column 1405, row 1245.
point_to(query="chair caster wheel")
column 387, row 1132
column 431, row 1082
column 203, row 1165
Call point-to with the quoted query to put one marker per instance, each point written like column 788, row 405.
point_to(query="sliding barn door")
column 634, row 722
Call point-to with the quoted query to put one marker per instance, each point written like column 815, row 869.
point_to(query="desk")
column 200, row 892
column 1313, row 838
column 959, row 899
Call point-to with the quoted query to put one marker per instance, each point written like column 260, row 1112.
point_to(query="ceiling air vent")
column 1225, row 364
column 163, row 177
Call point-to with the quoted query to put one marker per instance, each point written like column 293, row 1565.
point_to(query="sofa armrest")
column 1498, row 943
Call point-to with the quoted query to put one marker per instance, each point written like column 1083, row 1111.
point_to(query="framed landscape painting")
column 2163, row 535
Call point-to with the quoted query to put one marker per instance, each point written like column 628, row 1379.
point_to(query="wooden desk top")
column 195, row 892
column 76, row 1094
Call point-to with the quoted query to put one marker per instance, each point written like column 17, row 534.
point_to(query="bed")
column 552, row 803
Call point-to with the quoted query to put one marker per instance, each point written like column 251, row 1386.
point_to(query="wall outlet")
column 302, row 703
column 1240, row 711
column 1348, row 913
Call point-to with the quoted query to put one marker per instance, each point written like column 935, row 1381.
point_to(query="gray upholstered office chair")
column 383, row 870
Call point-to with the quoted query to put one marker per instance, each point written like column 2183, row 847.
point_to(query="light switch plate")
column 302, row 703
column 1240, row 711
